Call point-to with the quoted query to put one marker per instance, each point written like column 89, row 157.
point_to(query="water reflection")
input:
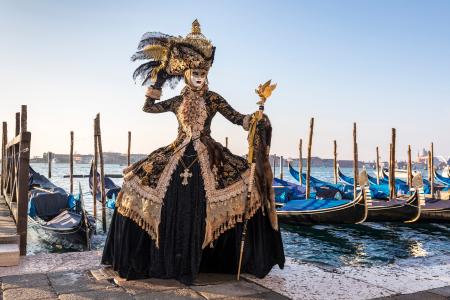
column 416, row 249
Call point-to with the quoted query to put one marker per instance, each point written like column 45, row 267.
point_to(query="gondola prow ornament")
column 264, row 91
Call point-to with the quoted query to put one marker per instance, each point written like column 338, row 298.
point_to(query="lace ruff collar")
column 192, row 112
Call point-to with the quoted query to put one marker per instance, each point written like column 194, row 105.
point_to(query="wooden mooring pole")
column 71, row 162
column 378, row 166
column 129, row 149
column 274, row 162
column 432, row 170
column 300, row 161
column 102, row 172
column 281, row 167
column 428, row 165
column 226, row 142
column 390, row 171
column 49, row 161
column 94, row 171
column 355, row 162
column 308, row 162
column 393, row 190
column 335, row 162
column 409, row 168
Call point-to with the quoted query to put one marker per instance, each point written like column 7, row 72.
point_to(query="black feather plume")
column 144, row 71
column 151, row 38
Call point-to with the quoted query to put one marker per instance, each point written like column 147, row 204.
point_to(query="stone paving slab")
column 177, row 294
column 41, row 292
column 137, row 287
column 212, row 278
column 114, row 293
column 76, row 281
column 230, row 289
column 24, row 281
column 50, row 262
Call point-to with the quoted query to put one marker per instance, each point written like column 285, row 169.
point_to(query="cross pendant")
column 185, row 175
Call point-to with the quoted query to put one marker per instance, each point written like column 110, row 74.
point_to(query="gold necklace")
column 186, row 174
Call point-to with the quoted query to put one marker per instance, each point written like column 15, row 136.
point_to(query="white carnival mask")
column 198, row 78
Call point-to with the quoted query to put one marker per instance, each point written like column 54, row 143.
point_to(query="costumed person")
column 181, row 210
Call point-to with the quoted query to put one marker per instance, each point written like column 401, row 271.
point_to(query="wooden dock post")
column 129, row 148
column 94, row 171
column 49, row 161
column 300, row 162
column 23, row 178
column 409, row 168
column 308, row 162
column 71, row 162
column 23, row 118
column 226, row 142
column 281, row 167
column 17, row 123
column 432, row 170
column 335, row 163
column 102, row 172
column 15, row 176
column 378, row 166
column 355, row 162
column 4, row 141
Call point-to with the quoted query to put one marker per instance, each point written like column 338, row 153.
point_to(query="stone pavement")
column 68, row 276
column 74, row 285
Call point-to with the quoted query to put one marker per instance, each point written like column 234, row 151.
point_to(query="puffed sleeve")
column 163, row 106
column 230, row 113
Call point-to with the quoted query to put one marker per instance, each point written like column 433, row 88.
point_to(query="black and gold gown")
column 168, row 225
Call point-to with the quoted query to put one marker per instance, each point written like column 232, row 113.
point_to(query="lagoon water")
column 366, row 244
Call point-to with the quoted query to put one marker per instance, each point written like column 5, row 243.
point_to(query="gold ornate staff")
column 264, row 91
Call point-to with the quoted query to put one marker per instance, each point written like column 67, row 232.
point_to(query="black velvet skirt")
column 134, row 255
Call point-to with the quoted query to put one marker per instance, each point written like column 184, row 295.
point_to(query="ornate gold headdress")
column 169, row 57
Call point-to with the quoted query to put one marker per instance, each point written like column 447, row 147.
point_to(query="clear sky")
column 381, row 64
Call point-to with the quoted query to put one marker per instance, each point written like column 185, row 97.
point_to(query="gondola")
column 286, row 191
column 111, row 189
column 324, row 211
column 400, row 186
column 377, row 191
column 392, row 210
column 434, row 210
column 441, row 179
column 324, row 190
column 426, row 184
column 405, row 210
column 57, row 213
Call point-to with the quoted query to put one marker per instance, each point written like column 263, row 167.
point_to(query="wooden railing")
column 15, row 174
